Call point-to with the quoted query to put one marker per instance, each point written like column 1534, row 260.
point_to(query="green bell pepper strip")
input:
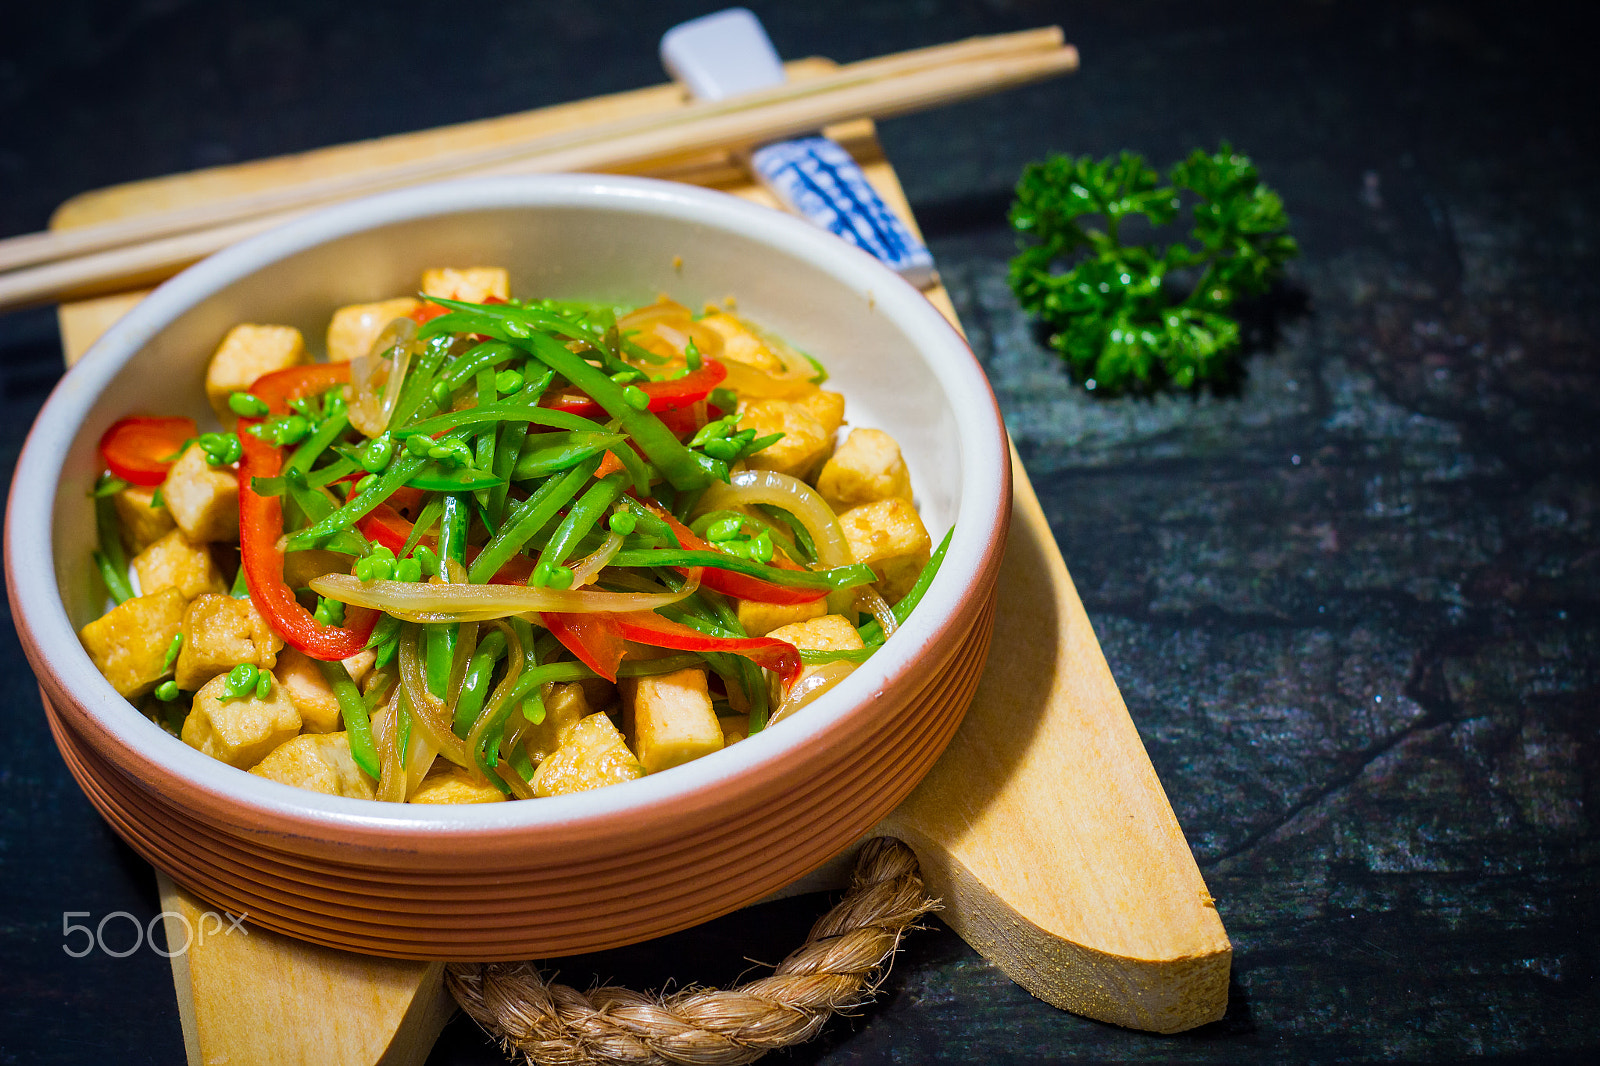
column 313, row 446
column 434, row 477
column 582, row 516
column 401, row 469
column 491, row 413
column 110, row 557
column 527, row 518
column 474, row 361
column 425, row 520
column 489, row 319
column 510, row 442
column 357, row 719
column 840, row 577
column 871, row 631
column 683, row 469
column 848, row 655
column 548, row 453
column 475, row 683
column 441, row 637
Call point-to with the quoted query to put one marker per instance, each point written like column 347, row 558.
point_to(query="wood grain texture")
column 1044, row 827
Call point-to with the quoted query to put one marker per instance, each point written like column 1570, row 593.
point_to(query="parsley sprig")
column 1129, row 316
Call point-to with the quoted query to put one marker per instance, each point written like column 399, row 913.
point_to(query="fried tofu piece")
column 888, row 535
column 176, row 562
column 564, row 708
column 219, row 633
column 759, row 619
column 128, row 643
column 806, row 440
column 247, row 352
column 831, row 632
column 470, row 284
column 299, row 675
column 204, row 500
column 670, row 719
column 320, row 762
column 593, row 755
column 354, row 328
column 448, row 783
column 827, row 408
column 143, row 520
column 240, row 732
column 740, row 343
column 867, row 467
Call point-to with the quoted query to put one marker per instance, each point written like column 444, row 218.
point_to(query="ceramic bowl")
column 573, row 873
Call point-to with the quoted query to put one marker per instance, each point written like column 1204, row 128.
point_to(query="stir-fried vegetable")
column 489, row 504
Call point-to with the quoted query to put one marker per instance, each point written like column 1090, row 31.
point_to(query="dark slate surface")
column 1354, row 607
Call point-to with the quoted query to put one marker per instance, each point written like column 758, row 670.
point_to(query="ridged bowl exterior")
column 572, row 874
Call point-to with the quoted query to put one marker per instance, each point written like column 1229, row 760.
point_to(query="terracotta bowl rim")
column 52, row 643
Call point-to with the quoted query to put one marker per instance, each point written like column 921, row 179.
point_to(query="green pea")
column 560, row 578
column 724, row 529
column 172, row 652
column 761, row 547
column 636, row 398
column 247, row 405
column 418, row 444
column 428, row 558
column 376, row 453
column 622, row 523
column 408, row 570
column 725, row 448
column 167, row 691
column 508, row 381
column 241, row 681
column 263, row 685
column 692, row 355
column 622, row 377
column 441, row 393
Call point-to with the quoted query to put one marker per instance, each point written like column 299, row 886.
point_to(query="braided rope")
column 838, row 967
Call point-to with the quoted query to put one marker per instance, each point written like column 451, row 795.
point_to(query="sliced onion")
column 430, row 716
column 587, row 568
column 375, row 378
column 385, row 736
column 747, row 487
column 665, row 327
column 753, row 384
column 868, row 599
column 413, row 601
column 815, row 681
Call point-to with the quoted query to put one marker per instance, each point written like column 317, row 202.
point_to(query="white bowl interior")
column 900, row 366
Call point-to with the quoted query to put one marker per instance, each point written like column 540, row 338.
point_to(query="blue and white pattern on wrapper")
column 820, row 180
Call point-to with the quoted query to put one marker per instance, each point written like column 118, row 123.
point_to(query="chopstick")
column 110, row 256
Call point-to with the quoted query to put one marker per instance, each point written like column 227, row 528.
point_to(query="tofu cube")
column 448, row 783
column 827, row 408
column 320, row 762
column 759, row 619
column 888, row 535
column 470, row 284
column 143, row 520
column 219, row 633
column 866, row 468
column 246, row 353
column 805, row 442
column 128, row 643
column 831, row 632
column 299, row 675
column 353, row 329
column 670, row 719
column 564, row 708
column 240, row 732
column 740, row 343
column 176, row 562
column 204, row 500
column 593, row 755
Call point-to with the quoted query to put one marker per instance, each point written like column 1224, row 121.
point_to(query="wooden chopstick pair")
column 116, row 255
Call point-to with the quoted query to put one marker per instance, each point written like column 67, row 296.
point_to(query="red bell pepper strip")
column 596, row 639
column 664, row 395
column 740, row 586
column 261, row 524
column 593, row 638
column 141, row 450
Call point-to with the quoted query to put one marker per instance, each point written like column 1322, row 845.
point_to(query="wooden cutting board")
column 1043, row 828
